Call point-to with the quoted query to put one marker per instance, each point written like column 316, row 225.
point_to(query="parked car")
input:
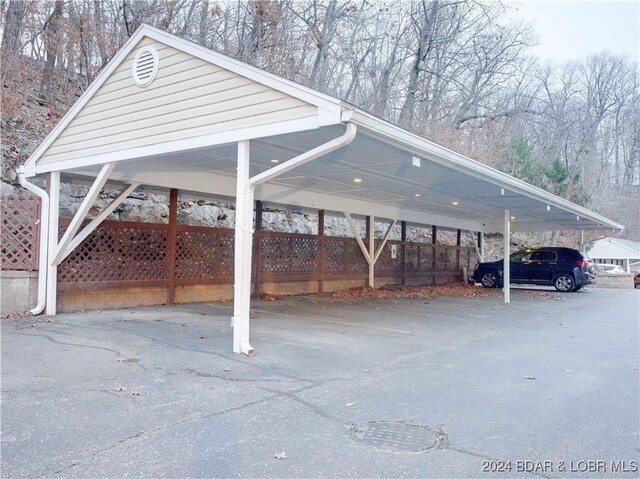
column 609, row 268
column 564, row 268
column 636, row 281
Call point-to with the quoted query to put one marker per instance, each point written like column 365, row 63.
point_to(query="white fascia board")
column 30, row 165
column 232, row 136
column 431, row 151
column 330, row 107
column 541, row 225
column 224, row 185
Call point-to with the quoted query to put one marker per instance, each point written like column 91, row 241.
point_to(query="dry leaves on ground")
column 460, row 290
column 270, row 297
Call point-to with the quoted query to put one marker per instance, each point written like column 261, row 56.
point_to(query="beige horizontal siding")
column 176, row 134
column 189, row 98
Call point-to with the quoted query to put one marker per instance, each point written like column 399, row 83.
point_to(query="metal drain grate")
column 394, row 436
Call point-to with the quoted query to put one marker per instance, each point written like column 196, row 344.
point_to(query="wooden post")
column 320, row 252
column 257, row 241
column 403, row 238
column 458, row 243
column 172, row 238
column 434, row 237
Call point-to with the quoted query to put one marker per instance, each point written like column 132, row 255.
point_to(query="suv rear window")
column 543, row 256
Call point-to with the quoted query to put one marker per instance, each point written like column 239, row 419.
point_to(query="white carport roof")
column 169, row 113
column 205, row 161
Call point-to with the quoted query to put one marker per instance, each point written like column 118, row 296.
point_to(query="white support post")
column 82, row 212
column 372, row 245
column 52, row 243
column 242, row 255
column 245, row 187
column 506, row 276
column 87, row 230
column 482, row 247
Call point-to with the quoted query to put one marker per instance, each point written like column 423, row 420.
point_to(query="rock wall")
column 154, row 208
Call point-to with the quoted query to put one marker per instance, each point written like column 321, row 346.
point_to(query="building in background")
column 625, row 253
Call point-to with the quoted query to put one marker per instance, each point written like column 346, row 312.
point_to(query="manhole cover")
column 394, row 436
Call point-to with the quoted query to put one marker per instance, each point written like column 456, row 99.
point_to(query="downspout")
column 44, row 228
column 306, row 157
column 245, row 193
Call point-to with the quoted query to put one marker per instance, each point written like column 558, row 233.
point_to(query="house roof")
column 180, row 131
column 614, row 248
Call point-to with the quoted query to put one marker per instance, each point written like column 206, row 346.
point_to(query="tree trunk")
column 11, row 37
column 52, row 45
column 424, row 45
column 319, row 76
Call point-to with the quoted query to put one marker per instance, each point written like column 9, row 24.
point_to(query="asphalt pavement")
column 444, row 387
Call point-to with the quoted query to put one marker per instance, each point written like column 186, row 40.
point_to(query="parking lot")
column 463, row 387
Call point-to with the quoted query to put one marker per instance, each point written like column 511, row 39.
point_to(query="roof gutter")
column 44, row 229
column 401, row 138
column 305, row 157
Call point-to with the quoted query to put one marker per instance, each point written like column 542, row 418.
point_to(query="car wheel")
column 637, row 286
column 489, row 280
column 564, row 283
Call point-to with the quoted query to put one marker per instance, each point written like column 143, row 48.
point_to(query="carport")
column 167, row 113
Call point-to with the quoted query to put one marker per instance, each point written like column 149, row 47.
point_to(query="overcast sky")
column 569, row 30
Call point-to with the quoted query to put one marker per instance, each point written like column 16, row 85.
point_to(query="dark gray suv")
column 564, row 268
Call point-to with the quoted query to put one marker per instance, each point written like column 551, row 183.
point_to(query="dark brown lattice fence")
column 342, row 257
column 117, row 253
column 122, row 254
column 20, row 231
column 204, row 253
column 287, row 256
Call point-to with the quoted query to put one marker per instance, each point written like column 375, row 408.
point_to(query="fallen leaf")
column 120, row 389
column 227, row 369
column 350, row 404
column 529, row 377
column 281, row 455
column 136, row 393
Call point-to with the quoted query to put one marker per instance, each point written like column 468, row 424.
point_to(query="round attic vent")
column 145, row 66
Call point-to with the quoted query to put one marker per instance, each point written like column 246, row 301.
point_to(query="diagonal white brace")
column 81, row 214
column 354, row 228
column 384, row 241
column 87, row 230
column 475, row 247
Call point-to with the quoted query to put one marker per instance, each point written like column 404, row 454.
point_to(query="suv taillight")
column 583, row 264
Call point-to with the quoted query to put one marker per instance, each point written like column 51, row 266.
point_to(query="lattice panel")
column 117, row 254
column 452, row 259
column 284, row 255
column 386, row 265
column 206, row 254
column 20, row 232
column 343, row 256
column 420, row 257
column 441, row 259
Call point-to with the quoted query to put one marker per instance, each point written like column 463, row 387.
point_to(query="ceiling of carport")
column 388, row 178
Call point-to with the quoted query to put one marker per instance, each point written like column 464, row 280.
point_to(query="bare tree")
column 52, row 43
